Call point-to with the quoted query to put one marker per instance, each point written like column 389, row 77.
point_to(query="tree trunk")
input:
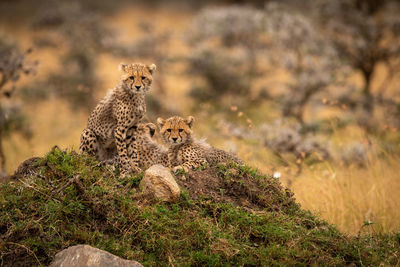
column 2, row 157
column 370, row 6
column 368, row 99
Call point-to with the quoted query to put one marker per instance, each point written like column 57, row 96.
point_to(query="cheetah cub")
column 122, row 108
column 140, row 140
column 184, row 151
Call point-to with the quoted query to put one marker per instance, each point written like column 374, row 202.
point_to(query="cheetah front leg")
column 127, row 164
column 190, row 165
column 89, row 143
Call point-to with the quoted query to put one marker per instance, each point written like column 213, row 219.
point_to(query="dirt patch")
column 248, row 190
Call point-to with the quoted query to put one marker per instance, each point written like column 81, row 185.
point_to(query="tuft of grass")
column 70, row 200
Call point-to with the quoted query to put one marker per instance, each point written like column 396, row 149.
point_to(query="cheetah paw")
column 124, row 173
column 131, row 171
column 180, row 168
column 107, row 162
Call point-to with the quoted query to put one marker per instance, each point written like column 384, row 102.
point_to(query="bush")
column 219, row 70
column 225, row 42
column 13, row 65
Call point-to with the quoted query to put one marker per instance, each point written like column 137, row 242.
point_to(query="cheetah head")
column 137, row 77
column 146, row 129
column 176, row 130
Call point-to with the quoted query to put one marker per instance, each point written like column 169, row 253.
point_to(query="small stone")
column 87, row 256
column 159, row 183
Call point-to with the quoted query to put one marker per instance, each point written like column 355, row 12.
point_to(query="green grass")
column 72, row 201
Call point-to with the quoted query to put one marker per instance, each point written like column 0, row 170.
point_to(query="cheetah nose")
column 174, row 138
column 138, row 86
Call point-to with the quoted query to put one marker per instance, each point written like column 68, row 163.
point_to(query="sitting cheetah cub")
column 185, row 152
column 122, row 108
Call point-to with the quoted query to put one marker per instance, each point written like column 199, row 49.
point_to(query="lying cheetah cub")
column 185, row 152
column 122, row 108
column 149, row 151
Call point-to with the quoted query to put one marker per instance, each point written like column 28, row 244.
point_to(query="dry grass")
column 346, row 196
column 53, row 123
column 351, row 197
column 355, row 199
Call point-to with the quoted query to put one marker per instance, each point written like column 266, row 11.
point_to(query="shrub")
column 13, row 64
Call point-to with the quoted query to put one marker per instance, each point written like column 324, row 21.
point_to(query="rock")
column 87, row 256
column 159, row 183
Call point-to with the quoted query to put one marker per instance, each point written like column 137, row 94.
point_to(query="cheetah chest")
column 132, row 113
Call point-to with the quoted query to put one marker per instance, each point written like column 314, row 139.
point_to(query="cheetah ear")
column 152, row 128
column 190, row 121
column 152, row 68
column 122, row 67
column 160, row 122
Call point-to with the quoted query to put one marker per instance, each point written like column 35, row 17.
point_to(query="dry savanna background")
column 306, row 91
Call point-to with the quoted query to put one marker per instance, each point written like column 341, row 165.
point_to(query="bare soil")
column 238, row 188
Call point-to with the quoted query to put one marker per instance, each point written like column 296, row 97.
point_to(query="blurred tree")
column 225, row 42
column 81, row 34
column 153, row 46
column 366, row 33
column 13, row 65
column 300, row 48
column 231, row 44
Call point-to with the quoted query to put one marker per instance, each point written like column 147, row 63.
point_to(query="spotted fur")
column 184, row 151
column 121, row 109
column 149, row 151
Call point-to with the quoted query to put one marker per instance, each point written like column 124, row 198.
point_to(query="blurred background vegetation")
column 306, row 90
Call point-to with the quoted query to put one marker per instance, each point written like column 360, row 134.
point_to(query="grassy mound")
column 226, row 216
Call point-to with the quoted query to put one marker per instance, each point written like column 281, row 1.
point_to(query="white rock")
column 276, row 175
column 159, row 183
column 87, row 256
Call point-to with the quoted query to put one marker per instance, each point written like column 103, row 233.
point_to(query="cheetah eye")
column 143, row 77
column 180, row 130
column 169, row 130
column 131, row 77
